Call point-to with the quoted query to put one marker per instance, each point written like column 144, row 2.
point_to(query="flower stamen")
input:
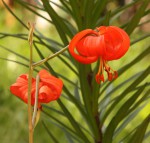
column 110, row 72
column 99, row 76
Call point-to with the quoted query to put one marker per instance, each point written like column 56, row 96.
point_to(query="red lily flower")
column 50, row 88
column 104, row 43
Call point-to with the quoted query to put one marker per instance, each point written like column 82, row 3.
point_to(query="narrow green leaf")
column 76, row 13
column 50, row 134
column 107, row 18
column 20, row 36
column 58, row 22
column 25, row 5
column 147, row 135
column 108, row 94
column 125, row 7
column 60, row 57
column 20, row 63
column 63, row 125
column 136, row 109
column 117, row 12
column 140, row 38
column 58, row 121
column 99, row 6
column 38, row 6
column 76, row 102
column 11, row 51
column 126, row 91
column 73, row 122
column 62, row 7
column 138, row 136
column 39, row 38
column 71, row 97
column 76, row 92
column 136, row 18
column 87, row 8
column 127, row 66
column 135, row 61
column 121, row 113
column 128, row 120
column 66, row 6
column 70, row 140
column 85, row 82
column 52, row 109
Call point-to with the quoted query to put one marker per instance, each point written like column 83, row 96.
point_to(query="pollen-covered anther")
column 115, row 74
column 110, row 76
column 99, row 78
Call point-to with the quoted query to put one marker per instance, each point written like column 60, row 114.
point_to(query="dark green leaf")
column 99, row 6
column 59, row 23
column 50, row 134
column 73, row 122
column 138, row 136
column 76, row 13
column 107, row 18
column 126, row 91
column 139, row 39
column 24, row 4
column 122, row 112
column 127, row 66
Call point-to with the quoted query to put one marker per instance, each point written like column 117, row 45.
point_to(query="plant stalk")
column 50, row 57
column 30, row 39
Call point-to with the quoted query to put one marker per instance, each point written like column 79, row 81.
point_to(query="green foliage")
column 88, row 112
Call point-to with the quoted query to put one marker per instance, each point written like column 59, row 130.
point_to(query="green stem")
column 87, row 98
column 50, row 57
column 30, row 39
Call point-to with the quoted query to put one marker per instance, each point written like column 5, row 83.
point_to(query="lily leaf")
column 138, row 136
column 122, row 112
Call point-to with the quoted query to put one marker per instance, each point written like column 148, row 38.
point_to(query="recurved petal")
column 20, row 88
column 125, row 44
column 51, row 87
column 50, row 80
column 81, row 53
column 92, row 44
column 46, row 94
column 116, row 43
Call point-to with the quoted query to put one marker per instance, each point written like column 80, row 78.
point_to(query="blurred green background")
column 13, row 113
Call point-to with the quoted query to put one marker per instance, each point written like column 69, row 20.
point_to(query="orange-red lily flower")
column 104, row 43
column 50, row 88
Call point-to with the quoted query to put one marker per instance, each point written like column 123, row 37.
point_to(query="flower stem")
column 30, row 39
column 50, row 57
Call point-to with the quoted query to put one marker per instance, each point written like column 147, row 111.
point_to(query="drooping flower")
column 105, row 43
column 50, row 88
